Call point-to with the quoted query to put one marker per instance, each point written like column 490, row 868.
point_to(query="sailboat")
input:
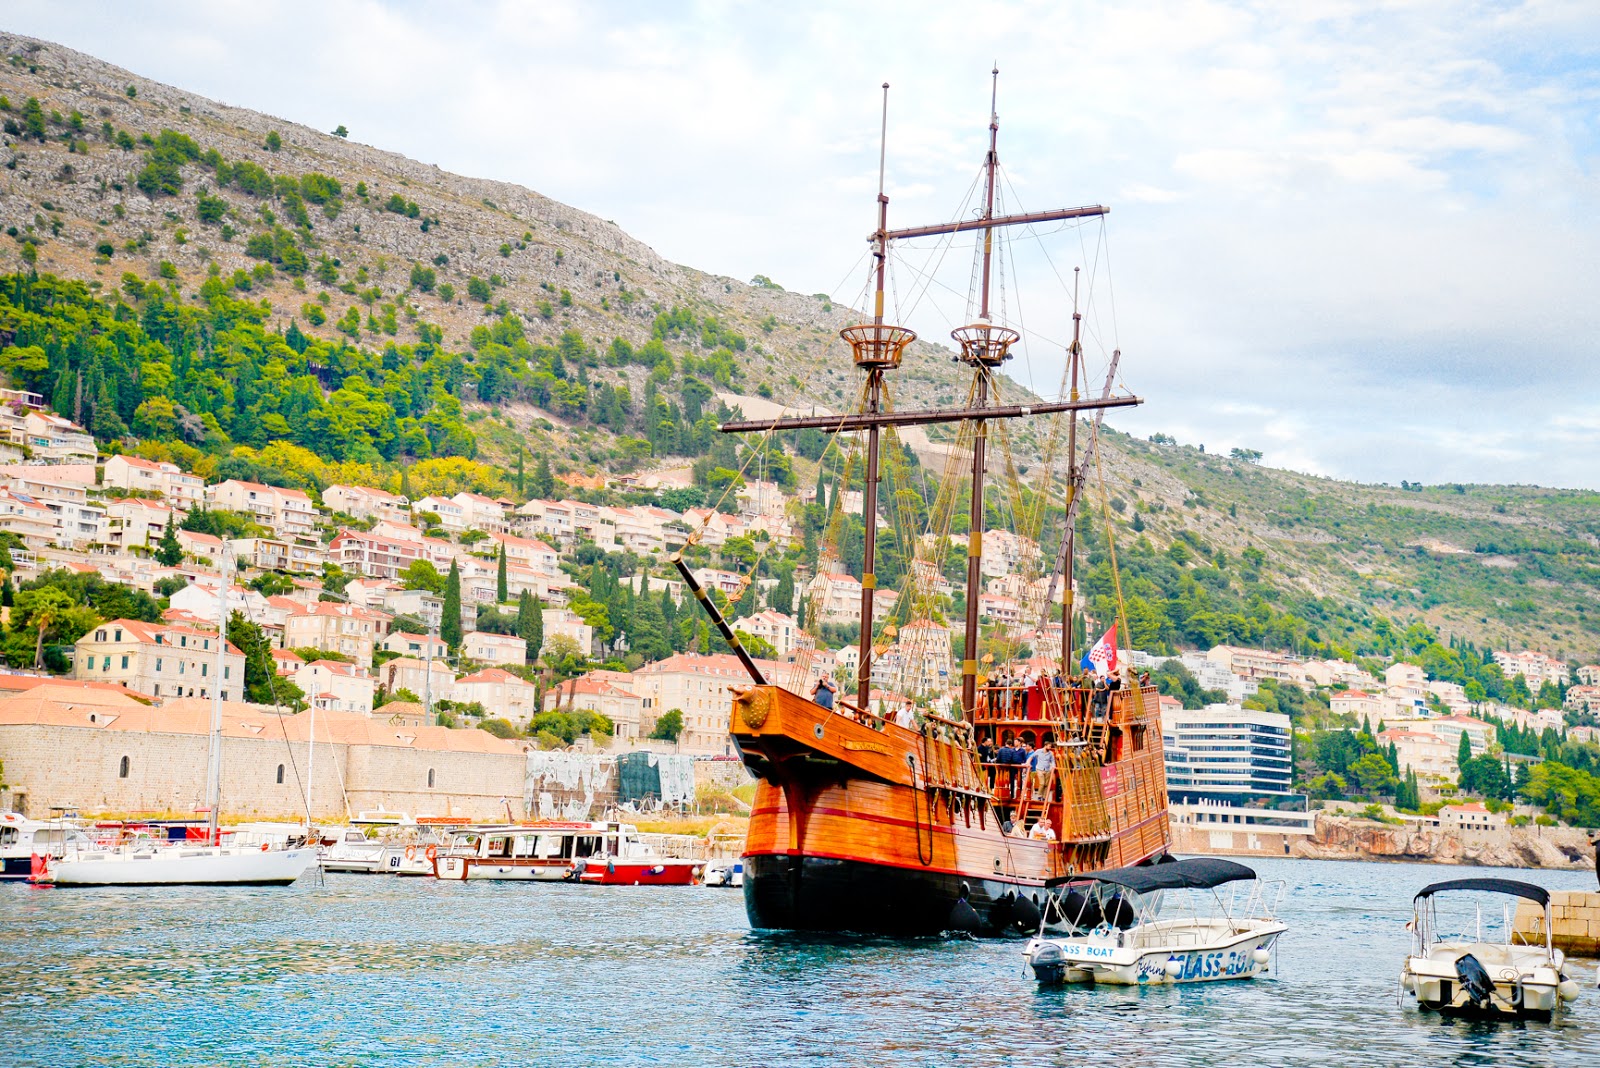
column 146, row 862
column 887, row 825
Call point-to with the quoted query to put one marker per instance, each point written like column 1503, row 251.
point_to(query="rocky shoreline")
column 1347, row 838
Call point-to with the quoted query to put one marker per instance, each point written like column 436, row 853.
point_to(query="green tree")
column 530, row 623
column 450, row 625
column 1464, row 751
column 274, row 142
column 42, row 616
column 502, row 592
column 169, row 553
column 1374, row 774
column 544, row 482
column 669, row 726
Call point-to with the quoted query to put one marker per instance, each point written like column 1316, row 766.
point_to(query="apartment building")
column 364, row 502
column 502, row 695
column 501, row 649
column 51, row 438
column 1224, row 752
column 287, row 512
column 451, row 515
column 159, row 660
column 182, row 490
column 332, row 686
column 610, row 697
column 481, row 513
column 335, row 628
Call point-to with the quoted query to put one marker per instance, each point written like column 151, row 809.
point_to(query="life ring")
column 430, row 853
column 263, row 847
column 411, row 852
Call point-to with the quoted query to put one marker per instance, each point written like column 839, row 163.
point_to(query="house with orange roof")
column 497, row 649
column 334, row 686
column 175, row 485
column 336, row 628
column 365, row 502
column 502, row 695
column 159, row 659
column 287, row 512
column 608, row 696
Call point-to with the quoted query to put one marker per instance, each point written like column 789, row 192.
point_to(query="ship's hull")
column 878, row 829
column 810, row 893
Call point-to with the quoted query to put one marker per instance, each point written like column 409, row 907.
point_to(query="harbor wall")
column 49, row 765
column 1190, row 839
column 1574, row 922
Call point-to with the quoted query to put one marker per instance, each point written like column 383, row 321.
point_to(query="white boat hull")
column 1243, row 955
column 177, row 866
column 1527, row 980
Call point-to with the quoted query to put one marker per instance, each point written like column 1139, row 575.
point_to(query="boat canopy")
column 1200, row 873
column 1495, row 886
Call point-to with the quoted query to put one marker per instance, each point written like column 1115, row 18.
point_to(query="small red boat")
column 610, row 854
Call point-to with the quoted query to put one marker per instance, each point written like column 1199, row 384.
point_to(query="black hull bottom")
column 826, row 895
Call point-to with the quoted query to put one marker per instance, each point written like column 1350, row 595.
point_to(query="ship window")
column 280, row 773
column 122, row 769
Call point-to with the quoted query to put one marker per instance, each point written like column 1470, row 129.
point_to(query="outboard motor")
column 1474, row 981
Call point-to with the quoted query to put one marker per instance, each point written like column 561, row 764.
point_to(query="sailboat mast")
column 869, row 494
column 1072, row 481
column 980, row 430
column 214, row 755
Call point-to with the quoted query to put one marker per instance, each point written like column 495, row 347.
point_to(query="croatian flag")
column 1103, row 657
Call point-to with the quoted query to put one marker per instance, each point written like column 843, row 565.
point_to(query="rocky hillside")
column 77, row 191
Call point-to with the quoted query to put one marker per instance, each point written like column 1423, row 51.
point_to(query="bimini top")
column 1495, row 886
column 1201, row 873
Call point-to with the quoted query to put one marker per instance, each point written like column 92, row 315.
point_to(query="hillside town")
column 366, row 606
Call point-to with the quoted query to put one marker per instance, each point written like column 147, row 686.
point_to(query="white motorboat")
column 723, row 871
column 353, row 853
column 1512, row 977
column 21, row 839
column 1165, row 923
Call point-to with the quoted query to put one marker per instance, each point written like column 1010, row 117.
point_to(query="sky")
column 1362, row 239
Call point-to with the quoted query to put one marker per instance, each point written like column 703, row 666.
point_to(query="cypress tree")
column 450, row 625
column 501, row 593
column 1464, row 751
column 169, row 553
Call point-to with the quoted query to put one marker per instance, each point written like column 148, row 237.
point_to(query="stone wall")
column 1574, row 922
column 80, row 768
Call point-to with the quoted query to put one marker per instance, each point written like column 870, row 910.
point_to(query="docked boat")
column 23, row 839
column 1459, row 975
column 352, row 853
column 725, row 871
column 608, row 854
column 1163, row 923
column 150, row 861
column 927, row 821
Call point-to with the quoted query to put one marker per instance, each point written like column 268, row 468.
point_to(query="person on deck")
column 823, row 692
column 1041, row 766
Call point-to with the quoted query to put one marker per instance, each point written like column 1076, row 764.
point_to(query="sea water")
column 372, row 970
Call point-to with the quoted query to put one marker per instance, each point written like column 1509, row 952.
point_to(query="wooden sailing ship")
column 863, row 824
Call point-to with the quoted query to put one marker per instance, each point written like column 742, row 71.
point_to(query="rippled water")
column 377, row 971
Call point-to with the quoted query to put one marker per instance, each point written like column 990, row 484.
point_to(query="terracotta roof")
column 494, row 675
column 146, row 632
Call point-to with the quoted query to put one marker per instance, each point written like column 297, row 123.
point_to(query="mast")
column 877, row 348
column 981, row 359
column 214, row 754
column 1072, row 482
